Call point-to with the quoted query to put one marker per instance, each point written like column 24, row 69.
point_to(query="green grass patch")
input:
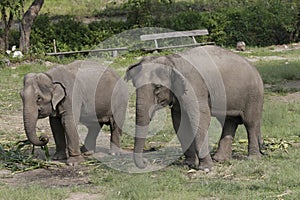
column 33, row 192
column 278, row 71
column 81, row 8
column 11, row 83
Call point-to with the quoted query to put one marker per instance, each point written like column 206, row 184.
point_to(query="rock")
column 241, row 46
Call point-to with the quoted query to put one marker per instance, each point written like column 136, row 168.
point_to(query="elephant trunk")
column 143, row 104
column 30, row 117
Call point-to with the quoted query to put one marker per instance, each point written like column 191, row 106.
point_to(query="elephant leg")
column 252, row 122
column 72, row 140
column 59, row 138
column 201, row 138
column 224, row 150
column 254, row 139
column 202, row 149
column 182, row 127
column 116, row 131
column 91, row 139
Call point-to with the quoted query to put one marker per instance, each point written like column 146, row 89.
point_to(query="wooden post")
column 194, row 39
column 54, row 45
column 156, row 44
column 114, row 53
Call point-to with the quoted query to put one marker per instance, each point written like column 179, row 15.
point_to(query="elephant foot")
column 59, row 156
column 254, row 156
column 191, row 162
column 75, row 160
column 206, row 163
column 115, row 151
column 139, row 161
column 221, row 157
column 86, row 152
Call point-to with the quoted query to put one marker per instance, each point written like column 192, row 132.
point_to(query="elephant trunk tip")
column 44, row 139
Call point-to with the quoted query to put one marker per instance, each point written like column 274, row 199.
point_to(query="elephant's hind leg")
column 91, row 139
column 224, row 150
column 252, row 122
column 254, row 140
column 116, row 131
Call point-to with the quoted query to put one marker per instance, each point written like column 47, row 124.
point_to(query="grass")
column 279, row 71
column 19, row 193
column 275, row 176
column 80, row 8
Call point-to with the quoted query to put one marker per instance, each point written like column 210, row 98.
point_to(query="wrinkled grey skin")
column 197, row 84
column 82, row 91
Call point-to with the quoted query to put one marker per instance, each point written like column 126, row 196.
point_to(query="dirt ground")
column 51, row 178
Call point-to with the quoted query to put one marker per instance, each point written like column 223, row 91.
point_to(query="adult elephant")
column 197, row 84
column 82, row 91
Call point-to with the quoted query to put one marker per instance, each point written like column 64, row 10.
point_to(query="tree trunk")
column 7, row 26
column 27, row 22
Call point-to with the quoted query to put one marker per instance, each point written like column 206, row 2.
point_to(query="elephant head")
column 40, row 98
column 158, row 85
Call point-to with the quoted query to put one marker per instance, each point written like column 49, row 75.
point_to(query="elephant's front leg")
column 59, row 138
column 72, row 137
column 182, row 127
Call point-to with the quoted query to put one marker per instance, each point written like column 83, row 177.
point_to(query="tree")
column 27, row 22
column 9, row 9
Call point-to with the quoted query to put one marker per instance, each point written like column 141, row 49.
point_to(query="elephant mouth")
column 42, row 114
column 163, row 103
column 157, row 107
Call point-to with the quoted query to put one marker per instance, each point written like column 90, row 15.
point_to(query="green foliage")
column 262, row 23
column 70, row 34
column 15, row 158
column 257, row 22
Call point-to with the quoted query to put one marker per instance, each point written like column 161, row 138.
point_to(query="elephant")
column 80, row 92
column 197, row 84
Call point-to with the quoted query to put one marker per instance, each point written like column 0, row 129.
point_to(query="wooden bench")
column 176, row 34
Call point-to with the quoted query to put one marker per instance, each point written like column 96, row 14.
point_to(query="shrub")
column 70, row 34
column 257, row 22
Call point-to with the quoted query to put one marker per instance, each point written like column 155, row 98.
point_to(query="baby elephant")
column 82, row 91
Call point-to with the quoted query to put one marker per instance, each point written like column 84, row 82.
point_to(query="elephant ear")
column 178, row 82
column 132, row 71
column 58, row 95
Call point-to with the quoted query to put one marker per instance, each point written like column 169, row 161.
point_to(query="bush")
column 70, row 34
column 257, row 22
column 261, row 24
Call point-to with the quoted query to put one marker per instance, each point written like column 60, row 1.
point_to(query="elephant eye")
column 39, row 99
column 157, row 88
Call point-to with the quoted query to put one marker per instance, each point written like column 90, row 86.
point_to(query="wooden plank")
column 87, row 51
column 180, row 46
column 174, row 34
